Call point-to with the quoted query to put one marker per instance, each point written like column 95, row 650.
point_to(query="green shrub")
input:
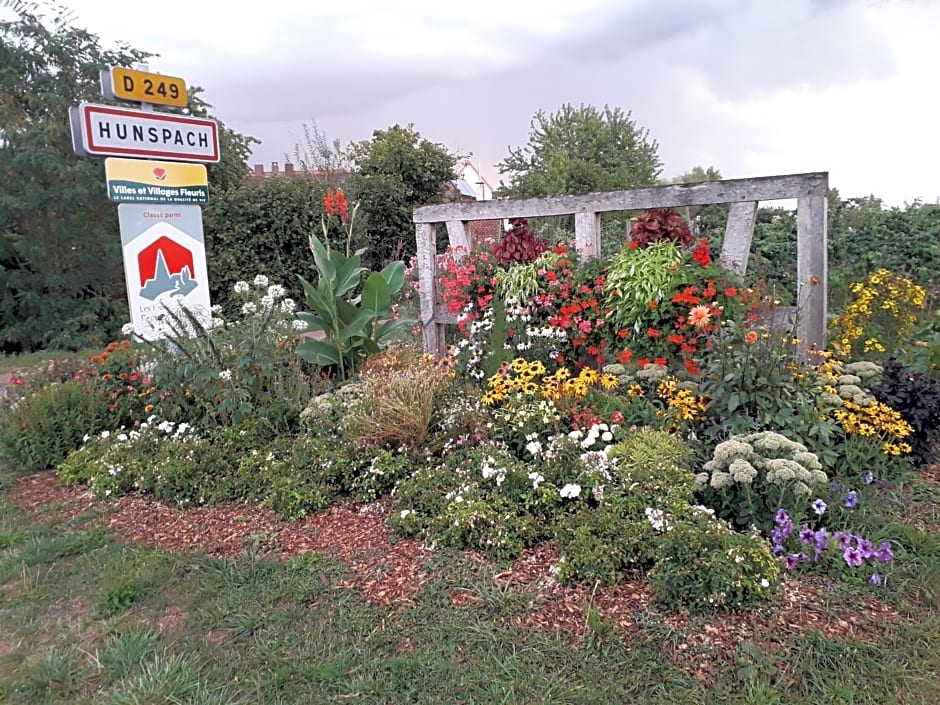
column 704, row 564
column 754, row 380
column 39, row 430
column 293, row 476
column 641, row 487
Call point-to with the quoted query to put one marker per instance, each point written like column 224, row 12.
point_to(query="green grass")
column 18, row 363
column 87, row 619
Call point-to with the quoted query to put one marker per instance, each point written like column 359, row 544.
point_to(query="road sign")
column 147, row 181
column 164, row 265
column 118, row 83
column 106, row 131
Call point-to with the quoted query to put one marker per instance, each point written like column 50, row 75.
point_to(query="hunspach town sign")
column 160, row 219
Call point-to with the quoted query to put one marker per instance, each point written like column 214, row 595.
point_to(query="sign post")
column 161, row 223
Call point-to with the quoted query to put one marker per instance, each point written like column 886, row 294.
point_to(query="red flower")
column 643, row 362
column 676, row 339
column 701, row 254
column 691, row 366
column 329, row 204
column 731, row 292
column 661, row 361
column 652, row 332
column 624, row 357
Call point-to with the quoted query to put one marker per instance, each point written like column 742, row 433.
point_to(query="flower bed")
column 637, row 413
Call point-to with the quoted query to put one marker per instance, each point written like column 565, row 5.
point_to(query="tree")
column 61, row 274
column 580, row 150
column 395, row 171
column 60, row 250
column 697, row 175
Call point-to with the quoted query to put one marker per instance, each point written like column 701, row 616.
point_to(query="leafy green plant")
column 41, row 429
column 353, row 326
column 641, row 487
column 754, row 379
column 638, row 276
column 705, row 565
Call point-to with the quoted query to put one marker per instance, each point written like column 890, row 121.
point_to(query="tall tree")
column 579, row 150
column 61, row 277
column 395, row 171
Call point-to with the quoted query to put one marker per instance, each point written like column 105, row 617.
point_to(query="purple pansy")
column 851, row 499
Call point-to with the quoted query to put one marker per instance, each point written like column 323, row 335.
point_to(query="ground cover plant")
column 635, row 441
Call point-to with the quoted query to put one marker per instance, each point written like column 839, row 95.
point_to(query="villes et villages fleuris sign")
column 137, row 181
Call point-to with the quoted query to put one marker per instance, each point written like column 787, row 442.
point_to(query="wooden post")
column 432, row 332
column 587, row 235
column 739, row 232
column 458, row 236
column 811, row 270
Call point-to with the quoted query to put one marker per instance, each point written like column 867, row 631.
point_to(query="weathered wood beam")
column 811, row 271
column 763, row 188
column 739, row 232
column 432, row 331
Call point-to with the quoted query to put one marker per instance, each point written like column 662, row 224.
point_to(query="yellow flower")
column 608, row 381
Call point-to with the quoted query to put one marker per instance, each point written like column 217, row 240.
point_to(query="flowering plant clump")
column 878, row 421
column 882, row 312
column 243, row 371
column 841, row 552
column 750, row 476
column 117, row 374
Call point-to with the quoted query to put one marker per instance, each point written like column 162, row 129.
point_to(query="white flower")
column 261, row 281
column 267, row 302
column 105, row 434
column 249, row 308
column 570, row 491
column 657, row 519
column 534, row 447
column 122, row 437
column 225, row 375
column 764, row 582
column 297, row 324
column 240, row 287
column 537, row 479
column 607, row 436
column 85, row 438
column 276, row 291
column 288, row 306
column 216, row 309
column 404, row 513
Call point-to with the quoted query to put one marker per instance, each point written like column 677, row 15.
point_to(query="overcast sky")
column 752, row 87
